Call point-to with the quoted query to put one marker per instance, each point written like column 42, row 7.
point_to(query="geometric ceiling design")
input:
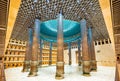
column 46, row 10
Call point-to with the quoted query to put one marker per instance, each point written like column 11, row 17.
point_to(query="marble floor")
column 72, row 73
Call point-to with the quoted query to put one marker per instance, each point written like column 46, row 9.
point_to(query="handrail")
column 2, row 73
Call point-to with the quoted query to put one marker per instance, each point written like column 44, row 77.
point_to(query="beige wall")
column 73, row 55
column 105, row 55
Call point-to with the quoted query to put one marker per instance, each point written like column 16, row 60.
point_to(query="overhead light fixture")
column 79, row 17
column 83, row 9
column 47, row 1
column 32, row 7
column 35, row 1
column 78, row 1
column 75, row 13
column 91, row 3
column 54, row 6
column 70, row 7
column 44, row 6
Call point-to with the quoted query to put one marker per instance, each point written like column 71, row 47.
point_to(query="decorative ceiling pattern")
column 48, row 9
column 4, row 4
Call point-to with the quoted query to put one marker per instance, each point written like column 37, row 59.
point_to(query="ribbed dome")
column 71, row 30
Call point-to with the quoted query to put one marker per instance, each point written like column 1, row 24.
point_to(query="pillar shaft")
column 50, row 57
column 79, row 54
column 60, row 55
column 40, row 61
column 34, row 57
column 116, row 74
column 28, row 51
column 69, row 48
column 85, row 52
column 92, row 50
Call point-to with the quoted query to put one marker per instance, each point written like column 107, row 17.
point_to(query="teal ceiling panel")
column 71, row 30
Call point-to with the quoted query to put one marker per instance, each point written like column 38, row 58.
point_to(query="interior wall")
column 73, row 56
column 105, row 54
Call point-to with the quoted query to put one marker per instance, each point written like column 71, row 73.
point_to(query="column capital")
column 83, row 20
column 69, row 45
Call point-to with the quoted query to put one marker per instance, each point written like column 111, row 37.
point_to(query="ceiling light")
column 83, row 9
column 54, row 6
column 78, row 16
column 91, row 3
column 47, row 1
column 78, row 1
column 32, row 7
column 75, row 13
column 35, row 1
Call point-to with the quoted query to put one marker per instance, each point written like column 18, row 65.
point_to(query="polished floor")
column 72, row 73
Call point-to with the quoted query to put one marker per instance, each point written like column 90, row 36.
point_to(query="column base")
column 70, row 62
column 40, row 63
column 79, row 63
column 26, row 66
column 59, row 76
column 93, row 66
column 87, row 75
column 33, row 69
column 59, row 70
column 25, row 70
column 32, row 74
column 50, row 63
column 86, row 68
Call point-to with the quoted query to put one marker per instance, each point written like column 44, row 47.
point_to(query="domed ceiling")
column 71, row 30
column 46, row 11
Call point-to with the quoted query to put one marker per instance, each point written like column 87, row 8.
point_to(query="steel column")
column 69, row 48
column 79, row 54
column 34, row 58
column 92, row 50
column 60, row 55
column 85, row 51
column 50, row 57
column 28, row 54
column 41, row 47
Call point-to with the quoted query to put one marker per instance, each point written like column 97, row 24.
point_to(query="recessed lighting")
column 35, row 1
column 78, row 1
column 47, row 1
column 32, row 7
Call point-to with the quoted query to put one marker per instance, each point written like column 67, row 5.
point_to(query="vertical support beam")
column 2, row 71
column 92, row 50
column 116, row 73
column 60, row 55
column 69, row 48
column 28, row 51
column 79, row 54
column 34, row 58
column 40, row 61
column 50, row 57
column 85, row 52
